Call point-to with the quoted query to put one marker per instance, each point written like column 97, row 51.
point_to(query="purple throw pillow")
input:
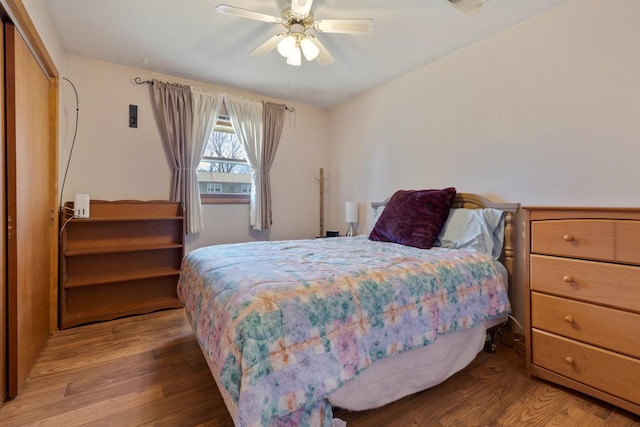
column 414, row 217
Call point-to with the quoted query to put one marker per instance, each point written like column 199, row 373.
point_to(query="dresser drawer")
column 580, row 238
column 615, row 330
column 612, row 373
column 628, row 242
column 608, row 284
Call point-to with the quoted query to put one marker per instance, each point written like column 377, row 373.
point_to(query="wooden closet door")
column 30, row 195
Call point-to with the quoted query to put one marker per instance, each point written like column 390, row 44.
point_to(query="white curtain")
column 205, row 107
column 246, row 118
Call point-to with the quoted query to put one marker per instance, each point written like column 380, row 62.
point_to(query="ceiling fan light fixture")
column 295, row 57
column 309, row 49
column 287, row 45
column 293, row 41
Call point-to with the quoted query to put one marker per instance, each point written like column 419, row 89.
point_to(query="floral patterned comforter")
column 282, row 324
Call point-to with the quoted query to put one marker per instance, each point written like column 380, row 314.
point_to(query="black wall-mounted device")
column 133, row 116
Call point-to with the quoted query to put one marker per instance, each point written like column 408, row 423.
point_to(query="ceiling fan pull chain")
column 292, row 114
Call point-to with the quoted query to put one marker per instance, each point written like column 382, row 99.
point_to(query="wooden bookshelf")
column 122, row 260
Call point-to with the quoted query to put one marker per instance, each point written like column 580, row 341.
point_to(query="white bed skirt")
column 387, row 380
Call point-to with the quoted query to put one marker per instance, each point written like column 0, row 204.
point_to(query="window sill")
column 224, row 199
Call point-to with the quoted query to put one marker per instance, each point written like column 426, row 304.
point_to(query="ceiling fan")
column 296, row 40
column 469, row 7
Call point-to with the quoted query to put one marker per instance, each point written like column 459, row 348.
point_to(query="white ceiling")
column 190, row 39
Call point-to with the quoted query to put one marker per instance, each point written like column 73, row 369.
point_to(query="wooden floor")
column 148, row 370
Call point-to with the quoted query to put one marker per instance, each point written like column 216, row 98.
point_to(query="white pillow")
column 478, row 230
column 372, row 218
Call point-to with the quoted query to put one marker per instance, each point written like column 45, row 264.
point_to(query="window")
column 223, row 174
column 214, row 187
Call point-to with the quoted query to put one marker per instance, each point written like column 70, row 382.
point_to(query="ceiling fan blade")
column 244, row 13
column 345, row 26
column 469, row 7
column 268, row 46
column 301, row 7
column 324, row 57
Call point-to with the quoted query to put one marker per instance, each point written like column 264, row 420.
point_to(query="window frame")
column 224, row 123
column 214, row 185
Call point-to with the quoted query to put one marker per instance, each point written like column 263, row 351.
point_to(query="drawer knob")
column 569, row 360
column 568, row 238
column 568, row 319
column 567, row 279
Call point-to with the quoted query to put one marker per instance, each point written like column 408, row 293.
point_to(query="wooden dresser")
column 583, row 301
column 122, row 260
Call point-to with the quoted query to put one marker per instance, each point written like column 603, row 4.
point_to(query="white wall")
column 545, row 113
column 112, row 161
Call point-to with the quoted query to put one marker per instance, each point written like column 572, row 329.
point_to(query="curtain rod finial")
column 139, row 81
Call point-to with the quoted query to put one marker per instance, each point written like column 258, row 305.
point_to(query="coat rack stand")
column 322, row 182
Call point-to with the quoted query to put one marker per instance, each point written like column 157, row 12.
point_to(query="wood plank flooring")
column 149, row 370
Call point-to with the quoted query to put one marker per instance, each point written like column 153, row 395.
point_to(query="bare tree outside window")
column 224, row 164
column 225, row 145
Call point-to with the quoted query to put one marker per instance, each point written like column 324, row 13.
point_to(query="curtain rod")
column 139, row 81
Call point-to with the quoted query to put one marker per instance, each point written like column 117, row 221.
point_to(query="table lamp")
column 351, row 216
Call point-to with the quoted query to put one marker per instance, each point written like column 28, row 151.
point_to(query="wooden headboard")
column 474, row 201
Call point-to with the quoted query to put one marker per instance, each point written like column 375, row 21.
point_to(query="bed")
column 291, row 329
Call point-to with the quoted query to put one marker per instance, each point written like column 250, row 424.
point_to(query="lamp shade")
column 309, row 49
column 351, row 211
column 295, row 58
column 286, row 46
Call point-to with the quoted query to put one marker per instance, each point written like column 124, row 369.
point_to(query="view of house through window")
column 223, row 170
